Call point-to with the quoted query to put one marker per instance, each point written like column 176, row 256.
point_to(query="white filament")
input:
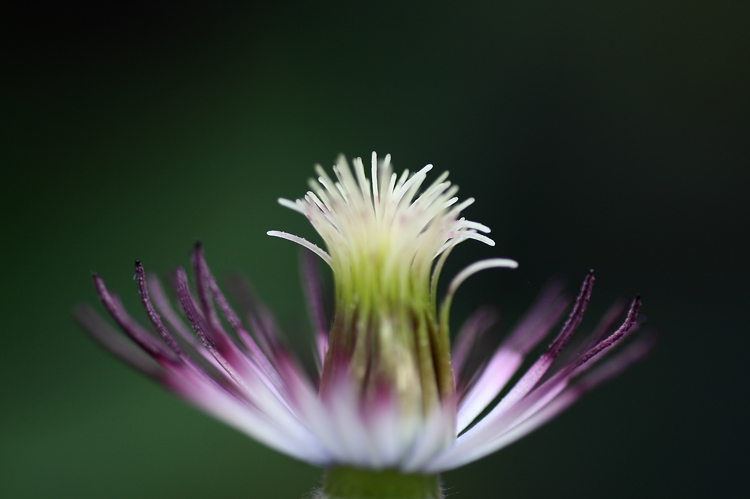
column 491, row 263
column 358, row 217
column 302, row 242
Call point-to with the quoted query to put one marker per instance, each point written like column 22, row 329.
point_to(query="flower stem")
column 345, row 482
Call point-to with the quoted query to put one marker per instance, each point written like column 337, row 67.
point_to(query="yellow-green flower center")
column 386, row 241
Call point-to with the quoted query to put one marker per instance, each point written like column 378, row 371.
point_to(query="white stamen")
column 461, row 206
column 342, row 192
column 479, row 237
column 450, row 202
column 476, row 226
column 292, row 205
column 374, row 176
column 414, row 182
column 477, row 267
column 388, row 218
column 302, row 242
column 364, row 185
column 404, row 176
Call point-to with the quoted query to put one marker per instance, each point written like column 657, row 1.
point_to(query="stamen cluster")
column 383, row 235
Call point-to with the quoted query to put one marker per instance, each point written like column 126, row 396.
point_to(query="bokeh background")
column 612, row 135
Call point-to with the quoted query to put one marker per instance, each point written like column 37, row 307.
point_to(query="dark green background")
column 612, row 135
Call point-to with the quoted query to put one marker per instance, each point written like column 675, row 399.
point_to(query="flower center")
column 387, row 239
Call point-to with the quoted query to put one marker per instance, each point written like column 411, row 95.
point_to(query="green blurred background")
column 612, row 135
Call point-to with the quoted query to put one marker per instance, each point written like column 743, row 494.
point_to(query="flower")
column 392, row 397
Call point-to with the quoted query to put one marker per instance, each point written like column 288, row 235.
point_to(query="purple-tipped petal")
column 607, row 322
column 636, row 350
column 561, row 379
column 605, row 344
column 167, row 336
column 278, row 371
column 256, row 386
column 539, row 368
column 553, row 404
column 189, row 341
column 229, row 314
column 505, row 417
column 534, row 326
column 171, row 360
column 188, row 306
column 575, row 318
column 140, row 336
column 152, row 315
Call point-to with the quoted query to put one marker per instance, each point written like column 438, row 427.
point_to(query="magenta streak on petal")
column 606, row 324
column 153, row 316
column 575, row 316
column 560, row 400
column 164, row 308
column 506, row 420
column 508, row 358
column 262, row 367
column 234, row 321
column 114, row 342
column 271, row 395
column 635, row 351
column 262, row 339
column 130, row 327
column 264, row 327
column 313, row 289
column 562, row 378
column 224, row 344
column 169, row 359
column 539, row 368
column 265, row 398
column 284, row 367
column 617, row 335
column 276, row 378
column 183, row 293
column 248, row 340
column 166, row 335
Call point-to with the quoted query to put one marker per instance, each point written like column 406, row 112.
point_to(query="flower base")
column 351, row 483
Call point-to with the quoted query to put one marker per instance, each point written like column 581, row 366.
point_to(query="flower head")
column 384, row 237
column 392, row 394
